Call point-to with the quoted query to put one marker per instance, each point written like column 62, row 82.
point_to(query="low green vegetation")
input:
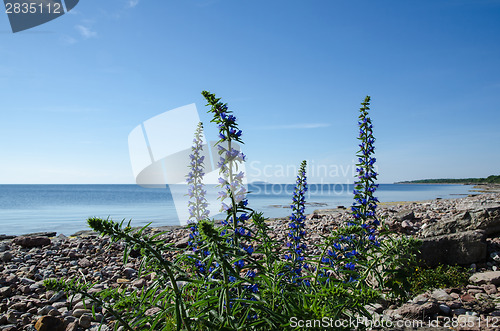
column 442, row 276
column 488, row 180
column 235, row 276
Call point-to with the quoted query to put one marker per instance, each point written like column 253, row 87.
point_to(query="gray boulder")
column 486, row 218
column 5, row 256
column 455, row 248
column 29, row 242
column 40, row 234
column 441, row 295
column 405, row 215
column 488, row 277
column 412, row 310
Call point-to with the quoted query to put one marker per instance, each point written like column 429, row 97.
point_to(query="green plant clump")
column 442, row 276
column 234, row 276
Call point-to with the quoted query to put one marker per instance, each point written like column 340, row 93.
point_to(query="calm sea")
column 65, row 208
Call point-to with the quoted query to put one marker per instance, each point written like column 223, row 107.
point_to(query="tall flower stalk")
column 361, row 230
column 297, row 232
column 197, row 205
column 364, row 207
column 349, row 247
column 231, row 180
column 234, row 204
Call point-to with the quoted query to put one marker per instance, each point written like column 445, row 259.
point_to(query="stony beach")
column 463, row 231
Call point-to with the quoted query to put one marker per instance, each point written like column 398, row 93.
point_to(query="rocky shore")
column 463, row 231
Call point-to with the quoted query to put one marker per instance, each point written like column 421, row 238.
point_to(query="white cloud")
column 69, row 40
column 132, row 3
column 85, row 31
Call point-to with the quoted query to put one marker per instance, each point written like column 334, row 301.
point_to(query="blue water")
column 65, row 208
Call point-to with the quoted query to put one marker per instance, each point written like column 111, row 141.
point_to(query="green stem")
column 371, row 266
column 319, row 264
column 226, row 289
column 114, row 313
column 166, row 266
column 231, row 194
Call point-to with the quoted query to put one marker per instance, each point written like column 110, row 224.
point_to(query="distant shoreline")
column 437, row 183
column 490, row 180
column 481, row 187
column 477, row 190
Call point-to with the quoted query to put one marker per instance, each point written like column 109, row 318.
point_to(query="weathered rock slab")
column 487, row 277
column 29, row 242
column 456, row 248
column 486, row 218
column 418, row 311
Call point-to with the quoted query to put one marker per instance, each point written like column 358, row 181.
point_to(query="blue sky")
column 293, row 72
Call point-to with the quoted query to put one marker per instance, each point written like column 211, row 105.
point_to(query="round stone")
column 85, row 321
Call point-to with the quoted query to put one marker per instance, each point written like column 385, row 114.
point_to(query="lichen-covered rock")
column 486, row 218
column 487, row 277
column 418, row 311
column 441, row 295
column 49, row 323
